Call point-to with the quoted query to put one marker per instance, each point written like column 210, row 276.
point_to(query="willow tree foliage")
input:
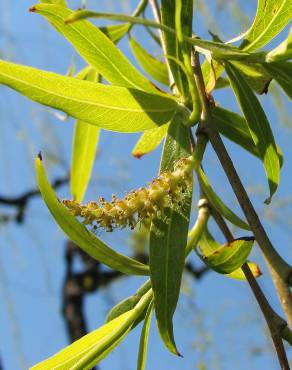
column 109, row 93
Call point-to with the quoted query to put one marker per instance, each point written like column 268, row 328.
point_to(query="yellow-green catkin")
column 166, row 190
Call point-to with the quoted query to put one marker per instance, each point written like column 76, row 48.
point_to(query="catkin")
column 166, row 190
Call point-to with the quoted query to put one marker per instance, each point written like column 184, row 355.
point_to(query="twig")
column 280, row 270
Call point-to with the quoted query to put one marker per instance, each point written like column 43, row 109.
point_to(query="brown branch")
column 20, row 202
column 280, row 269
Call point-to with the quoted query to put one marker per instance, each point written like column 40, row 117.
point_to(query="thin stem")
column 277, row 326
column 280, row 270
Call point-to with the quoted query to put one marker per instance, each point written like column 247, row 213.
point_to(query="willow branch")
column 279, row 268
column 277, row 326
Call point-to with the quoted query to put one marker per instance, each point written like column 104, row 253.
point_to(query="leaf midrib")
column 29, row 84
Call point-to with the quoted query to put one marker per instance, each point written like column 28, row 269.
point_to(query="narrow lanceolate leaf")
column 168, row 239
column 80, row 235
column 84, row 147
column 144, row 339
column 282, row 73
column 149, row 141
column 271, row 17
column 109, row 107
column 171, row 43
column 85, row 142
column 235, row 128
column 96, row 48
column 154, row 67
column 225, row 258
column 88, row 351
column 258, row 125
column 218, row 204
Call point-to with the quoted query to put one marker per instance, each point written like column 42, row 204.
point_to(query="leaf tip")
column 257, row 272
column 40, row 156
column 137, row 154
column 32, row 9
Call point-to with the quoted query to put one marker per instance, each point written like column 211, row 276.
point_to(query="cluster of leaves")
column 132, row 103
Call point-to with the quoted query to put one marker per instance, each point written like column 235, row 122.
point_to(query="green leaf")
column 225, row 258
column 84, row 147
column 216, row 49
column 109, row 107
column 80, row 235
column 93, row 347
column 171, row 43
column 218, row 204
column 168, row 238
column 282, row 73
column 258, row 125
column 256, row 76
column 271, row 17
column 85, row 142
column 154, row 67
column 97, row 49
column 144, row 340
column 282, row 51
column 149, row 141
column 235, row 128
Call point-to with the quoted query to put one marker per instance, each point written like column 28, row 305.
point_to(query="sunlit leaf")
column 144, row 339
column 78, row 233
column 93, row 347
column 154, row 67
column 97, row 49
column 259, row 126
column 149, row 141
column 271, row 17
column 224, row 258
column 84, row 147
column 168, row 239
column 109, row 107
column 282, row 73
column 218, row 204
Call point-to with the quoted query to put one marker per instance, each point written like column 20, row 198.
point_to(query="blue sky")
column 217, row 321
